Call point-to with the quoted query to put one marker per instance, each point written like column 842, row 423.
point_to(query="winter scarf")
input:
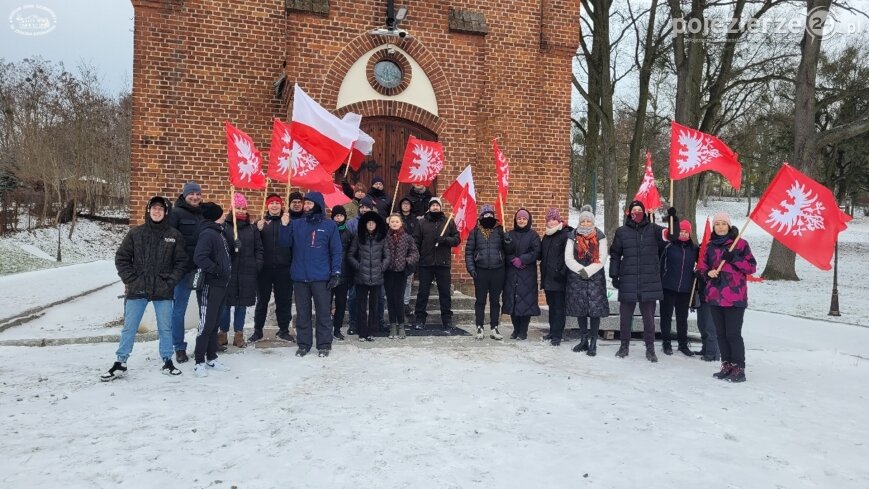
column 551, row 231
column 588, row 244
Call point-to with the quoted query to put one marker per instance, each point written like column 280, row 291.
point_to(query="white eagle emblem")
column 800, row 213
column 249, row 162
column 504, row 169
column 459, row 218
column 694, row 151
column 647, row 185
column 303, row 162
column 427, row 163
column 286, row 152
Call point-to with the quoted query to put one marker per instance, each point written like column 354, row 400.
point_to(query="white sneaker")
column 200, row 371
column 480, row 333
column 495, row 334
column 216, row 365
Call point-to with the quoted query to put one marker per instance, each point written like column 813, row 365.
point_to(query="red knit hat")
column 685, row 225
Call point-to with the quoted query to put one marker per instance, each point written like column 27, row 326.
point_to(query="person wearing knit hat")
column 433, row 201
column 212, row 257
column 635, row 271
column 485, row 251
column 150, row 261
column 296, row 205
column 677, row 281
column 379, row 198
column 587, row 301
column 520, row 282
column 274, row 275
column 726, row 265
column 345, row 281
column 247, row 261
column 185, row 216
column 435, row 236
column 553, row 276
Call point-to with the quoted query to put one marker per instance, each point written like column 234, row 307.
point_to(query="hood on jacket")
column 405, row 199
column 379, row 229
column 317, row 198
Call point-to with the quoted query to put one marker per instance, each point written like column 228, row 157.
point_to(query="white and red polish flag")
column 802, row 214
column 245, row 161
column 462, row 196
column 692, row 152
column 422, row 162
column 648, row 193
column 502, row 170
column 362, row 147
column 319, row 132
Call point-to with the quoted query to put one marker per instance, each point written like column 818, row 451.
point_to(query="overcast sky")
column 96, row 32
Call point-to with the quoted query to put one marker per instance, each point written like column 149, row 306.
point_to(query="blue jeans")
column 237, row 318
column 179, row 309
column 134, row 309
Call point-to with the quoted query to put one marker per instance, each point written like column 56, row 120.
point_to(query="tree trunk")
column 649, row 55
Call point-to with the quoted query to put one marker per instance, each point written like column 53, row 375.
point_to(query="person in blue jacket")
column 315, row 271
column 677, row 278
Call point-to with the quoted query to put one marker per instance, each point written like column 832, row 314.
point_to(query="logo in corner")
column 32, row 20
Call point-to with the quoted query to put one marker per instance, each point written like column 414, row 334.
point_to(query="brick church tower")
column 466, row 71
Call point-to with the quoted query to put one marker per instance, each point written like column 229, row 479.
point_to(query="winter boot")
column 515, row 334
column 351, row 329
column 393, row 331
column 238, row 340
column 181, row 356
column 222, row 339
column 650, row 353
column 302, row 351
column 737, row 374
column 169, row 368
column 323, row 352
column 686, row 351
column 555, row 341
column 401, row 334
column 117, row 371
column 583, row 344
column 523, row 332
column 495, row 334
column 592, row 347
column 667, row 348
column 623, row 350
column 480, row 332
column 256, row 336
column 284, row 335
column 726, row 367
column 337, row 334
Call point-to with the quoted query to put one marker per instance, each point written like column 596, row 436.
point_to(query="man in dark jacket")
column 485, row 255
column 553, row 273
column 150, row 261
column 635, row 272
column 435, row 262
column 212, row 256
column 185, row 217
column 379, row 197
column 340, row 291
column 315, row 270
column 419, row 197
column 275, row 274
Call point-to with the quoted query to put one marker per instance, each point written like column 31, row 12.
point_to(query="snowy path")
column 463, row 415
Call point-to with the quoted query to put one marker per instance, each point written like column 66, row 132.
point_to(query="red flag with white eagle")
column 280, row 151
column 321, row 133
column 245, row 161
column 802, row 214
column 692, row 152
column 502, row 170
column 362, row 147
column 648, row 193
column 462, row 196
column 285, row 155
column 423, row 161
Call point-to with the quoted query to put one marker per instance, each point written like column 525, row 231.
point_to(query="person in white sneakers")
column 150, row 261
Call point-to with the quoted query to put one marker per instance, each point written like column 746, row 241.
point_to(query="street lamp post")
column 834, row 299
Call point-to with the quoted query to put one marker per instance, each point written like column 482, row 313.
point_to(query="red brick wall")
column 197, row 63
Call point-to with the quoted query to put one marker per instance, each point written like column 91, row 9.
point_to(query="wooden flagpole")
column 347, row 164
column 671, row 204
column 265, row 197
column 444, row 230
column 234, row 221
column 733, row 245
column 501, row 205
column 392, row 209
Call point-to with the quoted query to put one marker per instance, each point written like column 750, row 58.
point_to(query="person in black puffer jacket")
column 520, row 287
column 185, row 217
column 485, row 256
column 587, row 301
column 677, row 278
column 212, row 256
column 150, row 261
column 247, row 261
column 553, row 273
column 435, row 262
column 370, row 258
column 275, row 273
column 345, row 281
column 635, row 272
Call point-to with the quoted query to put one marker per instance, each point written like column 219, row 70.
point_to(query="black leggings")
column 339, row 299
column 728, row 328
column 582, row 322
column 394, row 283
column 489, row 282
column 679, row 302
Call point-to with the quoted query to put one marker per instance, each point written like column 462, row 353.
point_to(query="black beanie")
column 211, row 211
column 339, row 210
column 157, row 200
column 296, row 196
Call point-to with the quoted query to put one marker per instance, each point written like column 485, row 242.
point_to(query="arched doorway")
column 390, row 135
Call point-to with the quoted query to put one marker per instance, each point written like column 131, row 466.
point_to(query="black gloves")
column 728, row 256
column 333, row 282
column 237, row 245
column 473, row 274
column 583, row 274
column 442, row 240
column 615, row 281
column 671, row 212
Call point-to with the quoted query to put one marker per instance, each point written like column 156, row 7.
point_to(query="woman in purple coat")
column 727, row 293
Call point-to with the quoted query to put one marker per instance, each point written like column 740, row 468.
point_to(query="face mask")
column 488, row 222
column 637, row 216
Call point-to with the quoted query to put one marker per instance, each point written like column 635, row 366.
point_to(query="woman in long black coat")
column 520, row 288
column 584, row 255
column 246, row 263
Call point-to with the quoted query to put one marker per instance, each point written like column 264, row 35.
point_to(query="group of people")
column 359, row 261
